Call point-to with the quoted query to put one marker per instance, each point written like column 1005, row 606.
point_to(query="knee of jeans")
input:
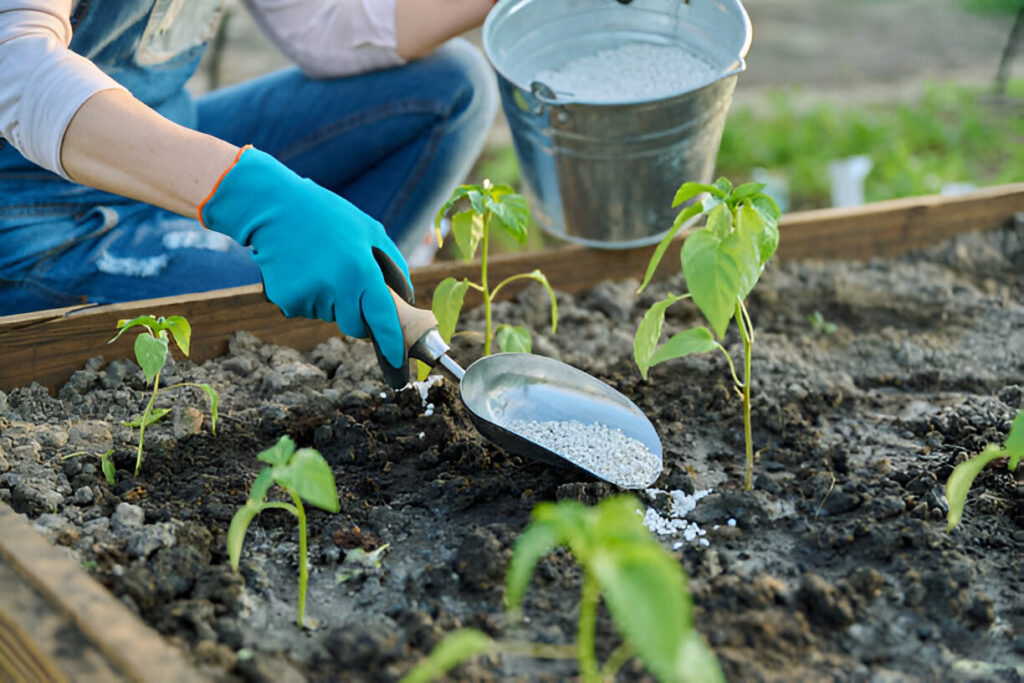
column 476, row 95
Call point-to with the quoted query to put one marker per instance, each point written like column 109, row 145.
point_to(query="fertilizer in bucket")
column 634, row 71
column 613, row 105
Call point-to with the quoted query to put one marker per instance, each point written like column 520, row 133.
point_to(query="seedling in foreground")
column 959, row 482
column 643, row 586
column 488, row 206
column 721, row 263
column 151, row 349
column 304, row 475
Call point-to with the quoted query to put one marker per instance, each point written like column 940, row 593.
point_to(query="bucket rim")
column 734, row 69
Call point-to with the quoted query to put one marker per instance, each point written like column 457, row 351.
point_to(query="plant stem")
column 483, row 283
column 142, row 424
column 300, row 512
column 747, row 337
column 587, row 628
column 615, row 660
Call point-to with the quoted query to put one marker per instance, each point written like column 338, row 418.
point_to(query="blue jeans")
column 395, row 143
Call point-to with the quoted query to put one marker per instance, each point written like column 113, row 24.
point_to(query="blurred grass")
column 952, row 134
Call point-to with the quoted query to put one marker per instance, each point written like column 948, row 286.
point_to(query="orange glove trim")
column 199, row 211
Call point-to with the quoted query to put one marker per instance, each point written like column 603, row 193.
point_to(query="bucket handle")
column 545, row 94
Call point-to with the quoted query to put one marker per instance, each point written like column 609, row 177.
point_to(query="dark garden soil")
column 837, row 567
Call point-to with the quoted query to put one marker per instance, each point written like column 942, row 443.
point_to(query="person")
column 314, row 180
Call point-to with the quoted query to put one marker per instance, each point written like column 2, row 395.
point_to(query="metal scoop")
column 509, row 389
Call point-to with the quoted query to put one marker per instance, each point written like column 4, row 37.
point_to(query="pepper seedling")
column 963, row 475
column 643, row 587
column 721, row 263
column 488, row 206
column 151, row 350
column 109, row 472
column 304, row 475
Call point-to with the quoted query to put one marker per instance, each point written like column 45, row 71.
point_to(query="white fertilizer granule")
column 635, row 71
column 676, row 524
column 606, row 452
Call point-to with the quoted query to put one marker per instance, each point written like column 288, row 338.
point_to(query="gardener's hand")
column 320, row 256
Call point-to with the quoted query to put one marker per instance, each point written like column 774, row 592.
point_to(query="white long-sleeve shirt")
column 43, row 83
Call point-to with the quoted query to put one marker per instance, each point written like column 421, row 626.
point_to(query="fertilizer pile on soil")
column 606, row 452
column 636, row 71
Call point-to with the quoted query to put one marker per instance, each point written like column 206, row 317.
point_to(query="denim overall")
column 394, row 142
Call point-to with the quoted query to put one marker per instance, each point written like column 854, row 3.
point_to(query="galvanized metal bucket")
column 601, row 174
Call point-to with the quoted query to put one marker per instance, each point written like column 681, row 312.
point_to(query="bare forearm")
column 117, row 144
column 422, row 25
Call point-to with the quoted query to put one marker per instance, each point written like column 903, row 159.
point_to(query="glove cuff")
column 233, row 205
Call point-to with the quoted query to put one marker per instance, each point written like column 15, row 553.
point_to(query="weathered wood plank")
column 47, row 346
column 119, row 642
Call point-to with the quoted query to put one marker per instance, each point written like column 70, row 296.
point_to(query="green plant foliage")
column 514, row 339
column 964, row 474
column 948, row 134
column 457, row 647
column 487, row 206
column 820, row 325
column 151, row 350
column 643, row 586
column 304, row 475
column 722, row 262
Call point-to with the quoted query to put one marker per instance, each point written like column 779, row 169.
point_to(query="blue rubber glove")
column 320, row 256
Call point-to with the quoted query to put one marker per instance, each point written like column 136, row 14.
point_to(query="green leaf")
column 309, row 476
column 457, row 647
column 696, row 663
column 648, row 333
column 468, row 230
column 645, row 591
column 766, row 206
column 155, row 415
column 214, row 400
column 447, row 304
column 659, row 251
column 279, row 453
column 236, row 531
column 151, row 352
column 422, row 371
column 457, row 194
column 959, row 482
column 180, row 330
column 513, row 212
column 716, row 275
column 124, row 325
column 109, row 472
column 688, row 191
column 720, row 222
column 537, row 540
column 476, row 200
column 745, row 190
column 1014, row 445
column 514, row 339
column 724, row 185
column 260, row 487
column 695, row 340
column 764, row 233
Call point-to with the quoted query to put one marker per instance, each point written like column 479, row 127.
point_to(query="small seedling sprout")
column 109, row 472
column 959, row 482
column 304, row 475
column 721, row 263
column 151, row 350
column 643, row 587
column 488, row 206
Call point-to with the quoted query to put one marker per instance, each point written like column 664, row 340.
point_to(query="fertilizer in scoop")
column 635, row 71
column 606, row 452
